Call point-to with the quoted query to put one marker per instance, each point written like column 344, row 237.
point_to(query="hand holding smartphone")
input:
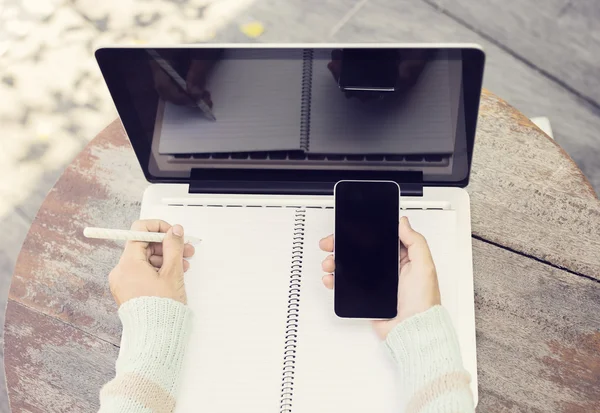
column 366, row 249
column 417, row 283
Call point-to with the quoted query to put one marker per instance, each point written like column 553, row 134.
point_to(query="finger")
column 188, row 250
column 415, row 243
column 326, row 244
column 197, row 74
column 150, row 225
column 207, row 98
column 328, row 264
column 333, row 70
column 173, row 251
column 404, row 260
column 154, row 248
column 328, row 281
column 335, row 65
column 138, row 249
column 170, row 92
column 403, row 252
column 157, row 249
column 156, row 261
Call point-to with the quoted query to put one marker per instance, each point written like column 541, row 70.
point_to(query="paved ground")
column 53, row 101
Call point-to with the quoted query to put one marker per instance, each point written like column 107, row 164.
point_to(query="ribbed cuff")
column 155, row 335
column 425, row 346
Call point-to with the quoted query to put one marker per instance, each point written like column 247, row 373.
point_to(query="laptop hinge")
column 294, row 182
column 411, row 189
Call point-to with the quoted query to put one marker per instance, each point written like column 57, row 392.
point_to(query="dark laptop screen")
column 384, row 109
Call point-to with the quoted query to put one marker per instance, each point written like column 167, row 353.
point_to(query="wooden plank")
column 59, row 272
column 537, row 330
column 51, row 366
column 560, row 37
column 538, row 342
column 524, row 193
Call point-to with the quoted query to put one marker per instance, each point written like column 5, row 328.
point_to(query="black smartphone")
column 366, row 249
column 368, row 70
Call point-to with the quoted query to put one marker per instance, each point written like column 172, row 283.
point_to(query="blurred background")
column 542, row 59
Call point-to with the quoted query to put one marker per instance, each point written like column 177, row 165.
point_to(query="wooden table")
column 536, row 251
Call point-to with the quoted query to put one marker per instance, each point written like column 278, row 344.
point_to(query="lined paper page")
column 237, row 288
column 256, row 100
column 341, row 365
column 419, row 123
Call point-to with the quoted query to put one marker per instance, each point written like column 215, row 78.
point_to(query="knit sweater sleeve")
column 432, row 376
column 153, row 342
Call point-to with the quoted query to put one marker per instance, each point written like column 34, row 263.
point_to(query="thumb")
column 414, row 242
column 173, row 250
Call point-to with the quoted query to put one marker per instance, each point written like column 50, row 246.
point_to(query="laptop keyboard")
column 438, row 160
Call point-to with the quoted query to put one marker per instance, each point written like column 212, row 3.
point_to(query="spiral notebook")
column 287, row 99
column 265, row 337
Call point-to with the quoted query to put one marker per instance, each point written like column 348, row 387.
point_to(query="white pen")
column 180, row 82
column 127, row 235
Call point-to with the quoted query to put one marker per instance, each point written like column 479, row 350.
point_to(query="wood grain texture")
column 560, row 37
column 527, row 194
column 576, row 123
column 538, row 336
column 51, row 366
column 63, row 274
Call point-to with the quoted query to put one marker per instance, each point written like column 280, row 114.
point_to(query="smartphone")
column 368, row 70
column 366, row 249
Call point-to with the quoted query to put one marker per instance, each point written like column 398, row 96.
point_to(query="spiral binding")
column 307, row 69
column 293, row 309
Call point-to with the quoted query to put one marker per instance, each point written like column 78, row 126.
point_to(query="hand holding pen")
column 191, row 91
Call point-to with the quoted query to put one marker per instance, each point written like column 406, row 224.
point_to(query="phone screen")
column 366, row 249
column 366, row 70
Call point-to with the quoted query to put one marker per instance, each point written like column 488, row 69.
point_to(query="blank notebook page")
column 420, row 124
column 341, row 365
column 237, row 288
column 256, row 102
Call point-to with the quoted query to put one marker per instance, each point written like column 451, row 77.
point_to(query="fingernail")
column 178, row 230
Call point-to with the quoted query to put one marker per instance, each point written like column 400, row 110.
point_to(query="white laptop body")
column 260, row 219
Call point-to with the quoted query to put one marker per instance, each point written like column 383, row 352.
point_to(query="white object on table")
column 543, row 123
column 127, row 235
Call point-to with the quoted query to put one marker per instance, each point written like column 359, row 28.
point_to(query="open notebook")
column 288, row 100
column 265, row 337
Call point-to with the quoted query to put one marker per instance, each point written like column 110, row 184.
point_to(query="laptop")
column 242, row 145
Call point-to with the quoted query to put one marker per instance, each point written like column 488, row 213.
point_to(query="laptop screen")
column 297, row 108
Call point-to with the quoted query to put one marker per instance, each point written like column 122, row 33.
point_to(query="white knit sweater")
column 155, row 334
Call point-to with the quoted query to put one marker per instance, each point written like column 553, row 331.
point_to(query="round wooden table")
column 536, row 247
